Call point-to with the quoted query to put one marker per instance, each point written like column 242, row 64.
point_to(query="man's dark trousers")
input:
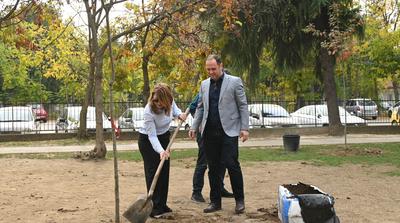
column 222, row 152
column 201, row 167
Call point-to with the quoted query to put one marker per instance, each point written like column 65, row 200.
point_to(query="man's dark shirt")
column 213, row 120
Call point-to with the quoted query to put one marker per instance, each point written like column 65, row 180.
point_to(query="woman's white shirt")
column 157, row 124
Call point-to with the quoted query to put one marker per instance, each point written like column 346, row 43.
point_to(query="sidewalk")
column 185, row 144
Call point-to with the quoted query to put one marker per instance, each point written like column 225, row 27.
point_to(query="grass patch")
column 332, row 155
column 394, row 173
column 58, row 142
column 126, row 155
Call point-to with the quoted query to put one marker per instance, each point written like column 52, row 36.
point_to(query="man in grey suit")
column 221, row 117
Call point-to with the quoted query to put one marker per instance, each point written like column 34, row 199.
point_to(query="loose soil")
column 72, row 191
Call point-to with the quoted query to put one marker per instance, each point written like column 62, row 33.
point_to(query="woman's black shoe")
column 167, row 209
column 156, row 213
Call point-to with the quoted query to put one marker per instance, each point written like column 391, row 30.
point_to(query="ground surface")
column 77, row 191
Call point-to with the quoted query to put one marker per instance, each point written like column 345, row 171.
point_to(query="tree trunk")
column 93, row 45
column 82, row 132
column 254, row 73
column 327, row 68
column 96, row 76
column 375, row 90
column 300, row 102
column 395, row 89
column 2, row 95
column 100, row 149
column 357, row 86
column 320, row 80
column 349, row 83
column 146, row 82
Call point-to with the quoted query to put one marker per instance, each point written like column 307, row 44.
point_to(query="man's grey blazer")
column 232, row 106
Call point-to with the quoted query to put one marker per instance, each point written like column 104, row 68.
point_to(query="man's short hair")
column 215, row 57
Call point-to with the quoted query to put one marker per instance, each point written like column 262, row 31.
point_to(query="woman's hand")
column 164, row 154
column 182, row 117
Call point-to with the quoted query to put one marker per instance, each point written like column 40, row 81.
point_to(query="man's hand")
column 244, row 135
column 192, row 134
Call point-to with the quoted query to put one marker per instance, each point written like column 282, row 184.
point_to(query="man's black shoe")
column 212, row 208
column 225, row 193
column 239, row 207
column 198, row 197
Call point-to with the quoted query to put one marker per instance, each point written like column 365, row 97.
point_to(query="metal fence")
column 263, row 114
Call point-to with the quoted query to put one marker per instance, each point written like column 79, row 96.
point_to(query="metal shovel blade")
column 140, row 210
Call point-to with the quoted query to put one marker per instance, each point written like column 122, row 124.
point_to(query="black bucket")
column 291, row 142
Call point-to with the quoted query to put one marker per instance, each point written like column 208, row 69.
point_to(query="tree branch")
column 12, row 10
column 10, row 15
column 152, row 21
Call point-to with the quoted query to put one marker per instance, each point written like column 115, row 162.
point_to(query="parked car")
column 40, row 112
column 132, row 118
column 386, row 104
column 269, row 115
column 17, row 119
column 395, row 118
column 391, row 108
column 69, row 119
column 362, row 107
column 317, row 115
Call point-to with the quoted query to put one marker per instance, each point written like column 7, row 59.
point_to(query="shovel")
column 140, row 210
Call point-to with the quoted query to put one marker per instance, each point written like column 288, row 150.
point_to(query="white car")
column 317, row 115
column 362, row 107
column 269, row 115
column 69, row 119
column 17, row 119
column 132, row 118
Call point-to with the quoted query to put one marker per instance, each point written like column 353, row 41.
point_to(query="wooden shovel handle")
column 160, row 165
